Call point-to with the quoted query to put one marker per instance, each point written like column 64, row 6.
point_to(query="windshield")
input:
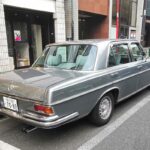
column 71, row 57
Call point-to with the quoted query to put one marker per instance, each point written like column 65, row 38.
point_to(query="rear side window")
column 119, row 54
column 136, row 52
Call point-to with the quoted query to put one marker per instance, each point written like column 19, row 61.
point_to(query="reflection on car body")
column 72, row 80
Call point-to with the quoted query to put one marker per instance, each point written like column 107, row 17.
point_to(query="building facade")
column 130, row 20
column 93, row 19
column 25, row 29
column 86, row 19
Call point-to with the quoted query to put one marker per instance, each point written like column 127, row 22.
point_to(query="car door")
column 124, row 71
column 142, row 65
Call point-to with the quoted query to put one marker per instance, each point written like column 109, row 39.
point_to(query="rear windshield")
column 70, row 57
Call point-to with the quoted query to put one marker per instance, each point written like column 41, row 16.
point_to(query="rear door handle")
column 113, row 75
column 139, row 67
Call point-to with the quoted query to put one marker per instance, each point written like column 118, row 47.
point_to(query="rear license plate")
column 10, row 103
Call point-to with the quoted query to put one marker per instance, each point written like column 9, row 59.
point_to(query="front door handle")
column 113, row 75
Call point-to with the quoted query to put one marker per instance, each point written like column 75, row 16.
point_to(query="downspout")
column 117, row 18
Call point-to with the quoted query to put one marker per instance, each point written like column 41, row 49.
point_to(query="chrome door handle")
column 139, row 67
column 114, row 74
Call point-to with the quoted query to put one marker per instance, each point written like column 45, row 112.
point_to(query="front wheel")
column 102, row 112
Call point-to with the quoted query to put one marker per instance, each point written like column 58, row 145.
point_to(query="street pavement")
column 129, row 129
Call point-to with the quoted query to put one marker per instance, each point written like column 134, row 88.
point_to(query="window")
column 119, row 54
column 62, row 52
column 136, row 52
column 70, row 57
column 148, row 8
column 124, row 12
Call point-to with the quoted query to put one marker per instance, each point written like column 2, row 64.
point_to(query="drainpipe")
column 71, row 19
column 75, row 20
column 68, row 19
column 117, row 18
column 143, row 23
column 110, row 17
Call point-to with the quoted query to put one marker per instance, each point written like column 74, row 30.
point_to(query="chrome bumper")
column 45, row 122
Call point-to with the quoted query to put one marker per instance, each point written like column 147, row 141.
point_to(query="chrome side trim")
column 133, row 93
column 131, row 76
column 78, row 95
column 94, row 89
column 96, row 74
column 40, row 124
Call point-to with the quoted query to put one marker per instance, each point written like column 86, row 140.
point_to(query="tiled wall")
column 59, row 16
column 6, row 63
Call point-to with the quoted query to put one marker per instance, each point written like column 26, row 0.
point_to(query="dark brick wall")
column 94, row 6
column 99, row 29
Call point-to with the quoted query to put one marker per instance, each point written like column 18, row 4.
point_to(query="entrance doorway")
column 92, row 26
column 27, row 34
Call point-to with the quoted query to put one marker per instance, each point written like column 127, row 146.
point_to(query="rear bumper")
column 46, row 122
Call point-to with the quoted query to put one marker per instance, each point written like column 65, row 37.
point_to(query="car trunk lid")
column 32, row 83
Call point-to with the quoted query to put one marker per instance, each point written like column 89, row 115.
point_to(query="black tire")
column 1, row 116
column 98, row 118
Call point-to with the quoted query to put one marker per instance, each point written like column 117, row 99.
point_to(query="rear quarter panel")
column 81, row 96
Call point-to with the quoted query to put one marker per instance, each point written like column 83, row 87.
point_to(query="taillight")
column 45, row 109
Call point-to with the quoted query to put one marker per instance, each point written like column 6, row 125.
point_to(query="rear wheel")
column 102, row 112
column 1, row 116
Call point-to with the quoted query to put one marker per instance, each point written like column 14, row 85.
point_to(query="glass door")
column 36, row 43
column 21, row 44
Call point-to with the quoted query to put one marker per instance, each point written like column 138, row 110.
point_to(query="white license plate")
column 10, row 103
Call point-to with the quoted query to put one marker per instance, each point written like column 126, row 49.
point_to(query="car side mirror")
column 145, row 56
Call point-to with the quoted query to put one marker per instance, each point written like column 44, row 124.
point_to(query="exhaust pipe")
column 28, row 129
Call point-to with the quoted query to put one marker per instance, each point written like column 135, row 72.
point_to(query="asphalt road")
column 129, row 129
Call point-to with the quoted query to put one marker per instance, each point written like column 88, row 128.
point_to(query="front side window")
column 70, row 57
column 136, row 52
column 119, row 54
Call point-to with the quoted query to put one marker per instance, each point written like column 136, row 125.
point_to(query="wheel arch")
column 114, row 91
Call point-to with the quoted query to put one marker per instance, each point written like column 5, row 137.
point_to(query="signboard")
column 133, row 34
column 17, row 35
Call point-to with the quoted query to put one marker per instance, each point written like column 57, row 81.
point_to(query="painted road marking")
column 5, row 146
column 93, row 142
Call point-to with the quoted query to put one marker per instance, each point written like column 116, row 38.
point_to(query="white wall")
column 59, row 17
column 75, row 14
column 41, row 5
column 112, row 34
column 5, row 61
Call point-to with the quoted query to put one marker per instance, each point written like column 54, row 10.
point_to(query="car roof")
column 91, row 41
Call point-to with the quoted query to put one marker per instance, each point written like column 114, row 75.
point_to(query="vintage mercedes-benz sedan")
column 72, row 80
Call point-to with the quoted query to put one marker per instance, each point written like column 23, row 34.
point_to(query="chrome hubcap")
column 105, row 108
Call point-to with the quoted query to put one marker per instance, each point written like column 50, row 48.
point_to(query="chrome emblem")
column 11, row 87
